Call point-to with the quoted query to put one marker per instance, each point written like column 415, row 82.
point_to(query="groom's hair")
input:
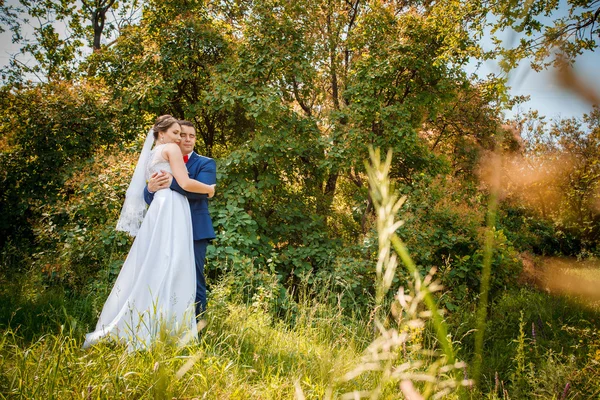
column 183, row 122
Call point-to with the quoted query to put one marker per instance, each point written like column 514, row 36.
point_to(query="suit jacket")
column 202, row 169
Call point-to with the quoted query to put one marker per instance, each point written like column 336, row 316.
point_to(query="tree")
column 46, row 131
column 60, row 30
column 558, row 176
column 288, row 96
column 545, row 26
column 98, row 10
column 171, row 63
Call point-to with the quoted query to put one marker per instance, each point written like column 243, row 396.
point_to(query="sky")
column 545, row 95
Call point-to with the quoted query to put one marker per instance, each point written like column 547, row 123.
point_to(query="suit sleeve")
column 148, row 197
column 207, row 174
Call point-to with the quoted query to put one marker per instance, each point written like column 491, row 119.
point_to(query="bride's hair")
column 163, row 123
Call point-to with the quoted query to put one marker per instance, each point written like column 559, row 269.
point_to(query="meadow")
column 538, row 343
column 462, row 265
column 537, row 346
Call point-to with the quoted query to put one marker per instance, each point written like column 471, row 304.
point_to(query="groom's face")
column 188, row 139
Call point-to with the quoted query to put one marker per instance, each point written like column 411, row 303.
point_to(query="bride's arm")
column 172, row 153
column 205, row 171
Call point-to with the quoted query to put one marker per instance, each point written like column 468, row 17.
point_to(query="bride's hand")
column 159, row 180
column 212, row 193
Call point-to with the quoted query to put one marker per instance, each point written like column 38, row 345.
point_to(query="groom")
column 202, row 169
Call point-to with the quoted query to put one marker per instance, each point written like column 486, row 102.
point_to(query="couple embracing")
column 161, row 288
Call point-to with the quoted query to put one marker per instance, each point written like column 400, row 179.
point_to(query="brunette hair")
column 163, row 123
column 183, row 122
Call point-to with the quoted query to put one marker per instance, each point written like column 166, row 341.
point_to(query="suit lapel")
column 192, row 160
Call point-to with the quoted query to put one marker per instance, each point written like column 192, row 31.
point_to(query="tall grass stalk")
column 495, row 170
column 396, row 358
column 441, row 329
column 387, row 206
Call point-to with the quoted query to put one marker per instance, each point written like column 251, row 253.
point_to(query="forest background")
column 288, row 98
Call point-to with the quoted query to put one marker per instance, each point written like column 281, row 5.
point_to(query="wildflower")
column 566, row 391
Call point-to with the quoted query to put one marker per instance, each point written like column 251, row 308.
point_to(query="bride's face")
column 172, row 135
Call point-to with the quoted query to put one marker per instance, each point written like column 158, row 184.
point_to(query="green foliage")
column 464, row 275
column 350, row 278
column 441, row 222
column 82, row 222
column 528, row 232
column 268, row 210
column 285, row 106
column 444, row 228
column 46, row 131
column 176, row 61
column 535, row 344
column 34, row 309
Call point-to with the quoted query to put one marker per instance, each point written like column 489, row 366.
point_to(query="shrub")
column 530, row 232
column 76, row 235
column 49, row 129
column 444, row 228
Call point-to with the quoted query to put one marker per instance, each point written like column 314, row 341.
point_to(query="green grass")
column 243, row 353
column 247, row 352
column 535, row 344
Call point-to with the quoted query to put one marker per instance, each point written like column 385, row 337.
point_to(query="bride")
column 155, row 290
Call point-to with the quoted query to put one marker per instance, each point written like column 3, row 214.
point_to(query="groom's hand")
column 159, row 180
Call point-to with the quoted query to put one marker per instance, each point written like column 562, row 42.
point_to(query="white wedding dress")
column 155, row 290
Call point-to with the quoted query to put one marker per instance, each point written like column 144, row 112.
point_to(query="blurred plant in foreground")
column 397, row 355
column 579, row 279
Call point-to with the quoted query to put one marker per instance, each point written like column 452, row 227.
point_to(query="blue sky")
column 545, row 94
column 552, row 100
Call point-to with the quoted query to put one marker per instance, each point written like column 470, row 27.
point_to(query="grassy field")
column 247, row 352
column 536, row 342
column 243, row 353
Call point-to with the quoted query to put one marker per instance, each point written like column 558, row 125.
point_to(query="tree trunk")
column 98, row 11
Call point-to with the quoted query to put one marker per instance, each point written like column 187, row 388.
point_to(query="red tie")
column 186, row 158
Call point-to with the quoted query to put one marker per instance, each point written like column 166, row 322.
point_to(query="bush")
column 76, row 236
column 530, row 232
column 444, row 228
column 47, row 130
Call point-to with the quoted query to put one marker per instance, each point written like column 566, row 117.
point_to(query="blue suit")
column 202, row 169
